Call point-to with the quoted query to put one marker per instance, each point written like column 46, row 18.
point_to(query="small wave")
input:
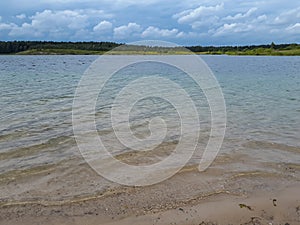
column 34, row 149
column 11, row 135
column 15, row 174
column 271, row 145
column 147, row 157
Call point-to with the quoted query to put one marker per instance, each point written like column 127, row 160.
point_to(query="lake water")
column 262, row 97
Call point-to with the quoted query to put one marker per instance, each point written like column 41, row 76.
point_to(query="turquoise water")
column 262, row 97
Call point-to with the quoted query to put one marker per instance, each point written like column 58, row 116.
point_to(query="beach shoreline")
column 187, row 198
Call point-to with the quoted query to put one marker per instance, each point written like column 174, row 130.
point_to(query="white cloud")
column 21, row 16
column 203, row 17
column 229, row 29
column 288, row 16
column 155, row 32
column 94, row 13
column 127, row 31
column 52, row 23
column 63, row 24
column 218, row 22
column 294, row 28
column 103, row 27
column 6, row 26
column 188, row 16
column 261, row 18
column 241, row 15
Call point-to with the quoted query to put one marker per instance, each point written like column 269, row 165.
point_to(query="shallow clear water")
column 262, row 97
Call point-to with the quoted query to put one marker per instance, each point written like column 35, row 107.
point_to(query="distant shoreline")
column 100, row 48
column 84, row 52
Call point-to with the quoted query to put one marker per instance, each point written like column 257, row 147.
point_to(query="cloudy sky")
column 185, row 22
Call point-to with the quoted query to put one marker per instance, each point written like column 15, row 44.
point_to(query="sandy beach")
column 216, row 210
column 217, row 196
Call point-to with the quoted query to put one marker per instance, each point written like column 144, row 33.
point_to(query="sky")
column 184, row 22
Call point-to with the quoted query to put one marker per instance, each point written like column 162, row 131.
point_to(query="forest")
column 10, row 47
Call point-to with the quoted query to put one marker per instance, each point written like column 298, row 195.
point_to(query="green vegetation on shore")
column 60, row 52
column 98, row 48
column 267, row 50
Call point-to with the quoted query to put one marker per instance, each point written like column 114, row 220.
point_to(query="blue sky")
column 189, row 22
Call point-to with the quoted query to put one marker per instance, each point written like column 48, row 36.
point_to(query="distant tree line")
column 238, row 48
column 11, row 47
column 8, row 47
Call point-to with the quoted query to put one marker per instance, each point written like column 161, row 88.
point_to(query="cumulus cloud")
column 294, row 28
column 188, row 16
column 52, row 24
column 241, row 15
column 21, row 16
column 127, row 31
column 223, row 21
column 57, row 24
column 155, row 32
column 261, row 18
column 6, row 26
column 233, row 28
column 103, row 27
column 288, row 16
column 202, row 18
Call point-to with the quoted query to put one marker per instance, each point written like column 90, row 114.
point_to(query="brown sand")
column 216, row 196
column 219, row 210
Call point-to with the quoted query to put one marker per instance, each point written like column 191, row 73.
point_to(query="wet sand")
column 216, row 210
column 67, row 195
